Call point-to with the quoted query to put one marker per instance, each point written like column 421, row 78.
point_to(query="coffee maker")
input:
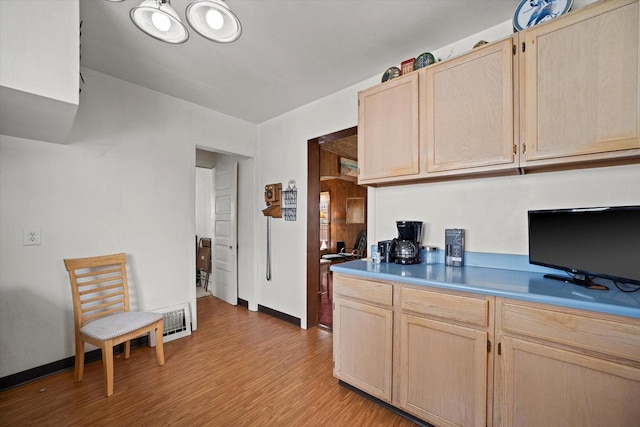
column 408, row 242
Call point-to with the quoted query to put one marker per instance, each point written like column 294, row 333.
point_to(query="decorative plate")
column 391, row 73
column 423, row 60
column 532, row 12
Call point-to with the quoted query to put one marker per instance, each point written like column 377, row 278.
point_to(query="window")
column 325, row 220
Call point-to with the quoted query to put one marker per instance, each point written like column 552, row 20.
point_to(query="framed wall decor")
column 348, row 167
column 355, row 210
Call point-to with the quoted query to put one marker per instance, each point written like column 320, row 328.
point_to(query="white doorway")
column 204, row 221
column 242, row 267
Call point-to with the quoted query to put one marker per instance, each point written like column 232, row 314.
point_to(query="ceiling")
column 344, row 147
column 291, row 52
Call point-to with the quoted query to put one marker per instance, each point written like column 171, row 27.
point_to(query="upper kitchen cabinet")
column 39, row 68
column 580, row 86
column 468, row 115
column 388, row 131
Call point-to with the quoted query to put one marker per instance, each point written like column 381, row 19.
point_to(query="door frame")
column 313, row 218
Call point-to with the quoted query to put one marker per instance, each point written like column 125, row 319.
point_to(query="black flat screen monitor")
column 588, row 242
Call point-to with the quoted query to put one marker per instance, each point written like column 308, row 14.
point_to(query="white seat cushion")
column 117, row 324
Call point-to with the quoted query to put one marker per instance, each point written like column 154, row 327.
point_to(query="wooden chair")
column 101, row 312
column 325, row 273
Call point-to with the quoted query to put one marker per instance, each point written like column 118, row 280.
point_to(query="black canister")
column 387, row 250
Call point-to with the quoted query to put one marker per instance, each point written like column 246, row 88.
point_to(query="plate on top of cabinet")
column 391, row 73
column 423, row 60
column 533, row 12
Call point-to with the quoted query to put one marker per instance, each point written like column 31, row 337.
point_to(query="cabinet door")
column 545, row 386
column 388, row 134
column 469, row 111
column 443, row 372
column 362, row 347
column 582, row 86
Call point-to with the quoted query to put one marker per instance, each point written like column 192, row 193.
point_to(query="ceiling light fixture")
column 159, row 20
column 212, row 19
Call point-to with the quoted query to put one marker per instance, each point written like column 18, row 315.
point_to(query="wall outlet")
column 31, row 236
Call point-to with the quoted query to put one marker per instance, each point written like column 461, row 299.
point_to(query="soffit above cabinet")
column 39, row 68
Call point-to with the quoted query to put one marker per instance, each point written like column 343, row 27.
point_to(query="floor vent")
column 177, row 323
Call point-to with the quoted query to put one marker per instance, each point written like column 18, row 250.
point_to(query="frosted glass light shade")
column 158, row 19
column 214, row 20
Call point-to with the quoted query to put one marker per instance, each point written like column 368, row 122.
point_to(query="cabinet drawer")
column 608, row 336
column 473, row 310
column 365, row 290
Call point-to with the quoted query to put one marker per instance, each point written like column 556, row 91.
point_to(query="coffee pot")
column 407, row 248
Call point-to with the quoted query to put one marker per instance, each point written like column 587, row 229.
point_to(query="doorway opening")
column 336, row 217
column 224, row 214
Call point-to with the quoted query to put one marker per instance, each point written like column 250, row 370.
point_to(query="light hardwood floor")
column 240, row 368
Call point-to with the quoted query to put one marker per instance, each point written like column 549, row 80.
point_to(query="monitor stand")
column 584, row 281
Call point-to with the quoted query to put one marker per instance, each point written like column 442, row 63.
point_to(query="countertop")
column 521, row 285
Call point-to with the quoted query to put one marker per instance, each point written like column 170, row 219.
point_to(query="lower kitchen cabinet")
column 545, row 386
column 362, row 338
column 462, row 359
column 564, row 367
column 443, row 372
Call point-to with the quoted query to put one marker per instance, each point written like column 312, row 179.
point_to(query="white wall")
column 493, row 211
column 282, row 155
column 125, row 183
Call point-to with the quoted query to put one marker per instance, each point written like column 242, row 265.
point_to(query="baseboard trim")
column 392, row 408
column 39, row 372
column 280, row 315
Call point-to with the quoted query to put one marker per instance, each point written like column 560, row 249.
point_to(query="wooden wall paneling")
column 340, row 231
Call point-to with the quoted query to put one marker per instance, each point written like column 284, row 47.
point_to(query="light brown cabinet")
column 444, row 345
column 424, row 352
column 563, row 93
column 363, row 334
column 583, row 368
column 388, row 134
column 581, row 86
column 461, row 359
column 468, row 113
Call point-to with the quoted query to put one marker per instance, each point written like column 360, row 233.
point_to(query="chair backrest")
column 360, row 248
column 98, row 285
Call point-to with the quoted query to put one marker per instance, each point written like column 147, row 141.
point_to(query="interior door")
column 225, row 250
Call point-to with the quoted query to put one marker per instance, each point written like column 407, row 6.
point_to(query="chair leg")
column 107, row 365
column 79, row 363
column 159, row 344
column 127, row 349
